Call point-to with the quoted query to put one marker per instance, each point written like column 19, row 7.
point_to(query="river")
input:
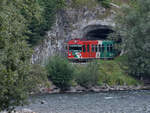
column 104, row 102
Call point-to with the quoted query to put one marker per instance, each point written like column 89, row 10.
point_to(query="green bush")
column 87, row 75
column 105, row 3
column 134, row 23
column 60, row 72
column 38, row 75
column 112, row 73
column 81, row 3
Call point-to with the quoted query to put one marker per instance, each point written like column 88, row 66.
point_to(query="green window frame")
column 88, row 48
column 103, row 48
column 93, row 48
column 108, row 48
column 111, row 48
column 84, row 48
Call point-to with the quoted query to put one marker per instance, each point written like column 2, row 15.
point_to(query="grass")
column 112, row 72
column 120, row 2
column 81, row 3
column 99, row 72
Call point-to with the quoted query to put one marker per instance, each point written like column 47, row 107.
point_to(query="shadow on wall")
column 97, row 32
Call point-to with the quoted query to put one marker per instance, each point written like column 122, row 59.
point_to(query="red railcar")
column 81, row 49
column 90, row 49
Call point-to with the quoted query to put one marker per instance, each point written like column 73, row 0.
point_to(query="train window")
column 93, row 48
column 75, row 48
column 111, row 48
column 99, row 48
column 96, row 48
column 108, row 47
column 84, row 49
column 88, row 48
column 103, row 48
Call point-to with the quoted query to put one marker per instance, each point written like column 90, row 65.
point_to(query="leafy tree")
column 60, row 72
column 133, row 23
column 15, row 54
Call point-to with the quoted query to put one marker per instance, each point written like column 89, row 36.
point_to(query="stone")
column 80, row 88
column 72, row 90
column 26, row 110
column 43, row 102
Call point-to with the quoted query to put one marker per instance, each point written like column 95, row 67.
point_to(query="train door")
column 110, row 50
column 102, row 49
column 83, row 51
column 92, row 50
column 97, row 51
column 88, row 51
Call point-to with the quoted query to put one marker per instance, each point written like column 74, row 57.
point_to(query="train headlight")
column 80, row 54
column 69, row 54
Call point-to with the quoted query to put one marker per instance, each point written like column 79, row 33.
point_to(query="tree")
column 38, row 28
column 60, row 72
column 15, row 54
column 133, row 24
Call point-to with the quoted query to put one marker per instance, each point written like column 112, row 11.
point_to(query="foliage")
column 38, row 74
column 112, row 73
column 133, row 23
column 87, row 76
column 15, row 54
column 47, row 12
column 81, row 3
column 60, row 72
column 105, row 3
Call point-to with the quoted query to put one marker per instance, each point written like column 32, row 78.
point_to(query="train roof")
column 82, row 41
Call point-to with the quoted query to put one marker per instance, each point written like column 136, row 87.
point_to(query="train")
column 90, row 49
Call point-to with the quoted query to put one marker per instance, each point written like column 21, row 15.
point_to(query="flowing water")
column 105, row 102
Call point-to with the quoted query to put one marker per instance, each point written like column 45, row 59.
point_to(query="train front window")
column 76, row 48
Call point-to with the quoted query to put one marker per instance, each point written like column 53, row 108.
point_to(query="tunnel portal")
column 96, row 32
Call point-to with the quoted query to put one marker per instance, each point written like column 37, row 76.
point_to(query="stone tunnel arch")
column 96, row 32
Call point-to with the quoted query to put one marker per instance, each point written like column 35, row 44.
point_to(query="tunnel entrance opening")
column 97, row 32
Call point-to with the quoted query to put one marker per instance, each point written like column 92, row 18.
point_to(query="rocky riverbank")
column 105, row 88
column 25, row 110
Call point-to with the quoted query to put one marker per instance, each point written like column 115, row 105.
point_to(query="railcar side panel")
column 89, row 49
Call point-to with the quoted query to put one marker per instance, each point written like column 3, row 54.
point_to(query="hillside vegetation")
column 112, row 72
column 95, row 73
column 23, row 25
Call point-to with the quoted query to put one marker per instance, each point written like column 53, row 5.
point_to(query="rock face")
column 72, row 22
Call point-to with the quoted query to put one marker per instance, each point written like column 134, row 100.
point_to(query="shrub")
column 81, row 3
column 60, row 72
column 87, row 75
column 105, row 3
column 38, row 75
